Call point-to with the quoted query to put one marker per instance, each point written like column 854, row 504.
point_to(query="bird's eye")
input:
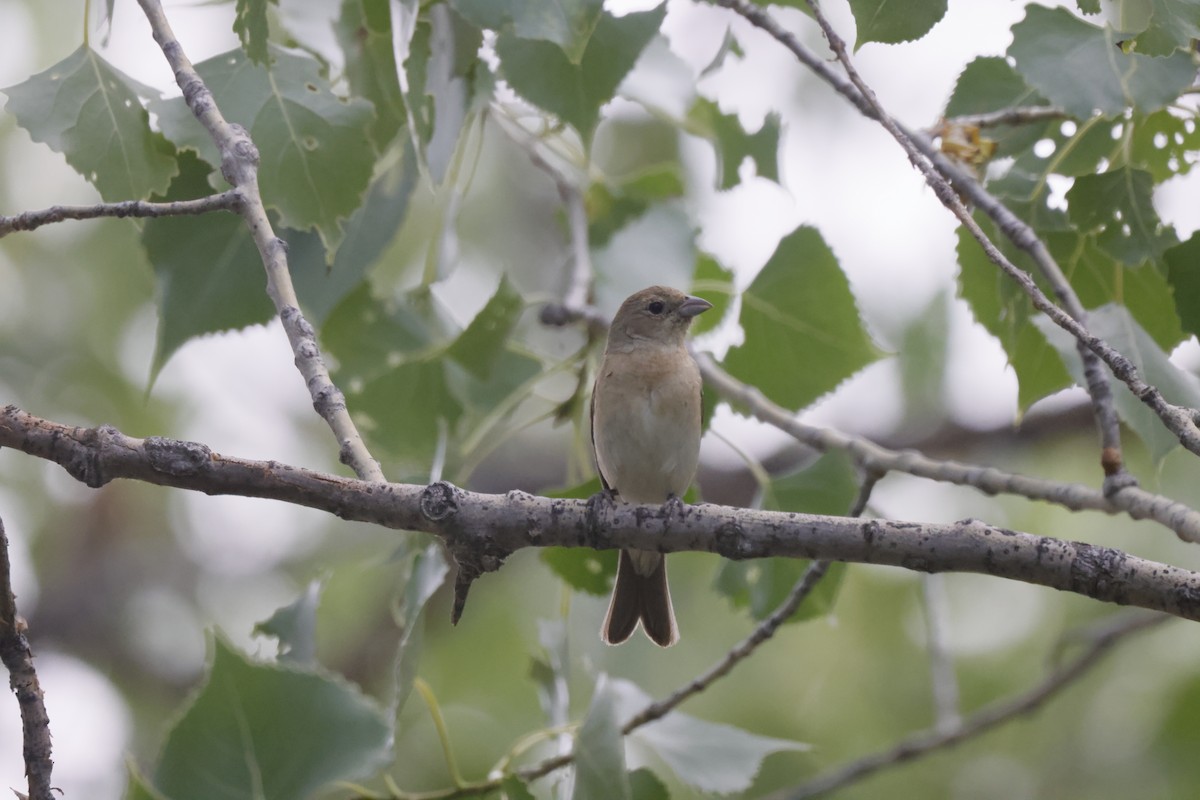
column 656, row 307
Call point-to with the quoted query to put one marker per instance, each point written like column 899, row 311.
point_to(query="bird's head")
column 658, row 314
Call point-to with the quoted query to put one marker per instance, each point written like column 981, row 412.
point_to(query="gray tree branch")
column 239, row 166
column 481, row 530
column 31, row 220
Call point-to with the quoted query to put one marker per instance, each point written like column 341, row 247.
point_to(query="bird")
column 645, row 417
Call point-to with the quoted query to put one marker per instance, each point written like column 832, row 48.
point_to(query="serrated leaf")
column 481, row 343
column 210, row 277
column 543, row 74
column 600, row 749
column 89, row 111
column 1114, row 324
column 1183, row 273
column 1169, row 25
column 315, row 154
column 803, row 332
column 1098, row 279
column 709, row 757
column 1118, row 206
column 1164, row 145
column 410, row 407
column 828, row 486
column 1000, row 306
column 611, row 206
column 566, row 23
column 269, row 732
column 714, row 283
column 367, row 335
column 645, row 785
column 734, row 145
column 424, row 572
column 1080, row 67
column 250, row 25
column 1089, row 6
column 989, row 83
column 295, row 626
column 894, row 21
column 364, row 31
column 368, row 232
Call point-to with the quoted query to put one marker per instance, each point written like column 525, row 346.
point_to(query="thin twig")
column 22, row 678
column 31, row 220
column 982, row 721
column 1019, row 115
column 1134, row 501
column 1178, row 419
column 239, row 166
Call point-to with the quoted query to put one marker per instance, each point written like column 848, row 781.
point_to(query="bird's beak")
column 693, row 306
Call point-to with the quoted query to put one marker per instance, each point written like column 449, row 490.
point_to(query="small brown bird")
column 646, row 434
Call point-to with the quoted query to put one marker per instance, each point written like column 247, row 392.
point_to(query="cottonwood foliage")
column 358, row 136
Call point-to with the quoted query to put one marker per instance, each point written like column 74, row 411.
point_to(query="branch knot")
column 439, row 501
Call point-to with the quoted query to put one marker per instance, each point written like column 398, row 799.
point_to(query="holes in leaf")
column 1102, row 165
column 1044, row 148
column 310, row 143
column 1117, row 131
column 1068, row 128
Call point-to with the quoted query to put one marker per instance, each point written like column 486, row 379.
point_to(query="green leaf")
column 1167, row 25
column 250, row 24
column 364, row 31
column 1080, row 67
column 1098, row 279
column 411, row 408
column 566, row 23
column 646, row 785
column 139, row 787
column 1004, row 310
column 989, row 83
column 1164, row 145
column 707, row 756
column 600, row 749
column 89, row 111
column 295, row 626
column 552, row 673
column 367, row 336
column 480, row 345
column 894, row 21
column 583, row 569
column 611, row 206
column 715, row 284
column 1089, row 6
column 210, row 277
column 368, row 233
column 1118, row 206
column 1183, row 273
column 315, row 154
column 734, row 145
column 513, row 788
column 424, row 572
column 543, row 74
column 828, row 486
column 1116, row 325
column 803, row 332
column 269, row 732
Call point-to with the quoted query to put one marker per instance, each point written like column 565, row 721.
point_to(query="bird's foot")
column 598, row 506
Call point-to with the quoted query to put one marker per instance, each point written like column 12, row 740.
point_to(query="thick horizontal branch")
column 481, row 530
column 30, row 220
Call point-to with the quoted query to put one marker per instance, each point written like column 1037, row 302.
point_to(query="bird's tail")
column 641, row 593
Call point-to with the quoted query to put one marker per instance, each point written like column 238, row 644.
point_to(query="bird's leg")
column 674, row 507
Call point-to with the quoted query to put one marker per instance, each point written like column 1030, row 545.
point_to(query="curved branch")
column 1132, row 500
column 982, row 721
column 1181, row 421
column 239, row 166
column 18, row 658
column 31, row 220
column 481, row 530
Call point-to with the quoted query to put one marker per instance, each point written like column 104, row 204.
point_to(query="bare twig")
column 23, row 679
column 982, row 721
column 239, row 166
column 494, row 526
column 1020, row 115
column 31, row 220
column 1178, row 419
column 1134, row 501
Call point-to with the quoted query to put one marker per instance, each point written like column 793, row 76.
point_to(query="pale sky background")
column 893, row 239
